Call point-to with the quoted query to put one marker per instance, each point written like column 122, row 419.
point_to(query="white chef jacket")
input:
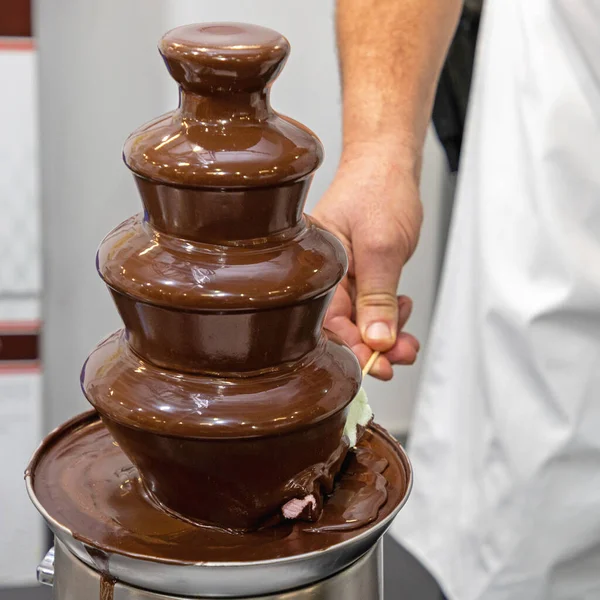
column 506, row 436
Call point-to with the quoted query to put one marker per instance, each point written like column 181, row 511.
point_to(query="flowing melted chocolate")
column 107, row 588
column 101, row 559
column 223, row 389
column 228, row 430
column 84, row 481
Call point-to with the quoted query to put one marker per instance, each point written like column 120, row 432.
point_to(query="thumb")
column 377, row 267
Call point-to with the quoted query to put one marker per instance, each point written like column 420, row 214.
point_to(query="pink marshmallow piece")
column 293, row 509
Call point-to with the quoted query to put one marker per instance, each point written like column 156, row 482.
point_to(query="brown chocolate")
column 218, row 439
column 140, row 395
column 197, row 307
column 224, row 391
column 224, row 133
column 227, row 217
column 88, row 485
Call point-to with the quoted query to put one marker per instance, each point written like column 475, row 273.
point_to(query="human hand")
column 373, row 207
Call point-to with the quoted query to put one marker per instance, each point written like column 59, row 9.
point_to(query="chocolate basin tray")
column 221, row 579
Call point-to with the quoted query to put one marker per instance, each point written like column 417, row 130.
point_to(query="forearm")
column 391, row 54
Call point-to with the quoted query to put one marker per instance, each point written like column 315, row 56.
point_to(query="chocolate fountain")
column 220, row 459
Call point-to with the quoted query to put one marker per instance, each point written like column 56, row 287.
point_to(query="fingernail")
column 379, row 332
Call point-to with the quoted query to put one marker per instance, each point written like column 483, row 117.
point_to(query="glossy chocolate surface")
column 217, row 438
column 224, row 133
column 223, row 390
column 166, row 271
column 227, row 217
column 87, row 484
column 237, row 483
column 139, row 395
column 199, row 307
column 221, row 343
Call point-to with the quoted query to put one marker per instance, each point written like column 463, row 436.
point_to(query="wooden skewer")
column 370, row 363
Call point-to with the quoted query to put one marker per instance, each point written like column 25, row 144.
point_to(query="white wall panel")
column 21, row 531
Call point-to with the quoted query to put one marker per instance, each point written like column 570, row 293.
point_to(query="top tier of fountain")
column 224, row 135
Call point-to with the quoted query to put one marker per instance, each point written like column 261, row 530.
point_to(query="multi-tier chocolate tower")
column 220, row 465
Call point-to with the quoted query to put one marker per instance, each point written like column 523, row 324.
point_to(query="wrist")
column 386, row 152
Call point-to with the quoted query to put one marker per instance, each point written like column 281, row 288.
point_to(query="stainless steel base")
column 74, row 580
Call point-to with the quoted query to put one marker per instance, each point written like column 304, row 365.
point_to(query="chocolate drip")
column 107, row 588
column 101, row 561
column 359, row 495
